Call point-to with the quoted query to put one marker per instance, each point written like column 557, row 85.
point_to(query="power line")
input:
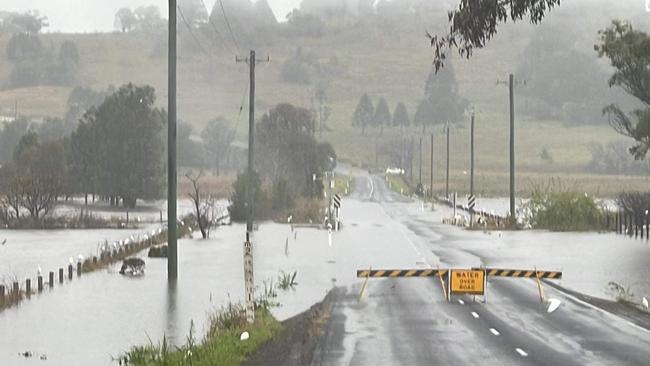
column 216, row 32
column 232, row 34
column 196, row 40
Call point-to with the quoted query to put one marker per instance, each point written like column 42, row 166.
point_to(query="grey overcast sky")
column 97, row 15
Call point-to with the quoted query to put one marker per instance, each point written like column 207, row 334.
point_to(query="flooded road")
column 100, row 315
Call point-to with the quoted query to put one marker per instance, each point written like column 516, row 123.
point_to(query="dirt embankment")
column 295, row 344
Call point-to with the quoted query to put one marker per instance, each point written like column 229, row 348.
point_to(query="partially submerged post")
column 172, row 238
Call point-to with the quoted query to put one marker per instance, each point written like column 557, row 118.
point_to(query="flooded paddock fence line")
column 633, row 224
column 108, row 255
column 489, row 219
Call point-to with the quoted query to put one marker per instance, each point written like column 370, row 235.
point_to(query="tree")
column 238, row 208
column 288, row 149
column 11, row 193
column 125, row 20
column 475, row 22
column 40, row 175
column 30, row 22
column 54, row 128
column 190, row 149
column 401, row 116
column 193, row 12
column 148, row 18
column 441, row 102
column 83, row 158
column 323, row 110
column 363, row 113
column 24, row 46
column 9, row 137
column 218, row 135
column 629, row 53
column 204, row 207
column 129, row 147
column 68, row 52
column 382, row 115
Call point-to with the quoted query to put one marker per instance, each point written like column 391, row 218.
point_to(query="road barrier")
column 375, row 273
column 455, row 281
column 495, row 272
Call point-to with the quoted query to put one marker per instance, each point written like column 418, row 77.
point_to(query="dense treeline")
column 290, row 165
column 36, row 63
column 115, row 152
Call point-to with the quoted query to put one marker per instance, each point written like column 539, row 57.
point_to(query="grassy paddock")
column 396, row 70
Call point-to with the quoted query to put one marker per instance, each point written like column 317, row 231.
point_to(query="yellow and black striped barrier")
column 401, row 273
column 498, row 272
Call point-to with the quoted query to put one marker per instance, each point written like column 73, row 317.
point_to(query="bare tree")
column 205, row 207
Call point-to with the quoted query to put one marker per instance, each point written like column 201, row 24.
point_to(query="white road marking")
column 475, row 315
column 521, row 352
column 460, row 301
column 494, row 331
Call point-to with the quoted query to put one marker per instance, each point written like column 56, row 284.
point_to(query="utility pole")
column 329, row 196
column 471, row 171
column 411, row 160
column 447, row 179
column 249, row 284
column 431, row 174
column 471, row 159
column 172, row 238
column 511, row 87
column 513, row 218
column 420, row 179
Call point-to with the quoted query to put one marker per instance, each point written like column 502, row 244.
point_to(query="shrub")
column 555, row 207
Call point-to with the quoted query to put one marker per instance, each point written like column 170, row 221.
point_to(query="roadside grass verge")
column 398, row 184
column 222, row 345
column 341, row 185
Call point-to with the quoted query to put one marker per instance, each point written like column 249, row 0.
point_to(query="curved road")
column 408, row 321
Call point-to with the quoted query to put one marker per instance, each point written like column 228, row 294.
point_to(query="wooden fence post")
column 78, row 268
column 70, row 271
column 51, row 282
column 28, row 286
column 40, row 283
column 60, row 275
column 2, row 294
column 16, row 290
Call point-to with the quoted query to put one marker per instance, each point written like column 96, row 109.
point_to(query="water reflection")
column 171, row 314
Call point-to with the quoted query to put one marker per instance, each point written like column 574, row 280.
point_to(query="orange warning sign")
column 467, row 281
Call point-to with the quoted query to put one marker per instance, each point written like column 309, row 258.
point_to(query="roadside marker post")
column 337, row 206
column 248, row 280
column 539, row 286
column 442, row 284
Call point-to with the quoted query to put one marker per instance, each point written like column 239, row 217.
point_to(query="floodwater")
column 100, row 315
column 26, row 250
column 589, row 260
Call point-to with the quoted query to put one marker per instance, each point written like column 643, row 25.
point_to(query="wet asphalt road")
column 408, row 322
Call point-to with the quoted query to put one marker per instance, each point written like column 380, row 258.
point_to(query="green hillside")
column 389, row 64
